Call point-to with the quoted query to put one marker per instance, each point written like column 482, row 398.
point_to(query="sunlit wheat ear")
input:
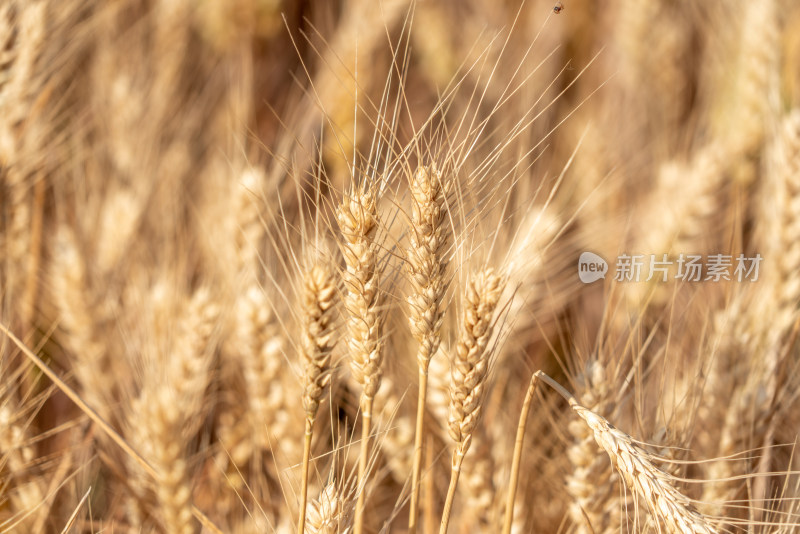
column 318, row 336
column 358, row 221
column 664, row 502
column 330, row 513
column 471, row 363
column 470, row 368
column 160, row 441
column 639, row 473
column 761, row 327
column 785, row 242
column 249, row 210
column 317, row 341
column 426, row 261
column 426, row 265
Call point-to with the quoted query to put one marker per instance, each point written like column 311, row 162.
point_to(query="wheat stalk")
column 426, row 265
column 470, row 368
column 358, row 219
column 317, row 343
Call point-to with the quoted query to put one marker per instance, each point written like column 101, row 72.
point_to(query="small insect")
column 558, row 8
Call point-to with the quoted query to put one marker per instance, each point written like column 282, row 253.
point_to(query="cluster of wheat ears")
column 294, row 266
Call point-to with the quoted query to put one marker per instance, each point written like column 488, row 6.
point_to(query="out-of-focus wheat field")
column 239, row 238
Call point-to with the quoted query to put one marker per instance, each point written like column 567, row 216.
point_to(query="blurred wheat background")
column 290, row 266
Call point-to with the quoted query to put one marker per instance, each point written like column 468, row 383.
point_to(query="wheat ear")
column 170, row 409
column 590, row 484
column 426, row 265
column 470, row 368
column 358, row 218
column 331, row 513
column 637, row 469
column 317, row 342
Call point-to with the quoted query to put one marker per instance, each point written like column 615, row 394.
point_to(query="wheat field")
column 399, row 266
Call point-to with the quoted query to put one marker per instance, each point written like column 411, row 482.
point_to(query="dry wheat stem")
column 301, row 522
column 455, row 472
column 426, row 264
column 638, row 471
column 517, row 458
column 358, row 219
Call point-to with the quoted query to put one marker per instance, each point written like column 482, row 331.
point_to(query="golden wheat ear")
column 635, row 465
column 330, row 513
column 358, row 221
column 317, row 343
column 470, row 369
column 426, row 265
